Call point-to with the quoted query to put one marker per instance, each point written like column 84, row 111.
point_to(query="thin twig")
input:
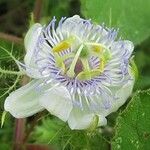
column 33, row 124
column 20, row 126
column 19, row 133
column 37, row 147
column 11, row 38
column 37, row 10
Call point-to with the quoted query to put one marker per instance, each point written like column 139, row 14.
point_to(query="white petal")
column 123, row 92
column 122, row 95
column 24, row 102
column 30, row 71
column 71, row 26
column 80, row 119
column 129, row 45
column 83, row 119
column 58, row 102
column 83, row 31
column 71, row 23
column 120, row 47
column 30, row 41
column 28, row 100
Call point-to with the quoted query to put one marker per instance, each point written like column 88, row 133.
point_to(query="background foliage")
column 129, row 128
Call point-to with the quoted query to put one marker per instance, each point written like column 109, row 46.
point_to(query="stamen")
column 107, row 55
column 88, row 75
column 59, row 62
column 97, row 48
column 85, row 64
column 102, row 64
column 64, row 45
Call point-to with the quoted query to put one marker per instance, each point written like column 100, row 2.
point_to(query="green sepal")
column 94, row 124
column 134, row 69
column 31, row 21
column 3, row 118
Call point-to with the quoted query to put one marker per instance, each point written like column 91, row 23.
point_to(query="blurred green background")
column 133, row 20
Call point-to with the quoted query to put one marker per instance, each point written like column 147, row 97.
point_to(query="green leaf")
column 57, row 8
column 130, row 16
column 57, row 133
column 143, row 82
column 9, row 72
column 6, row 133
column 133, row 124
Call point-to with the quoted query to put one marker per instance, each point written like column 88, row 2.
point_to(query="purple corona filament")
column 82, row 91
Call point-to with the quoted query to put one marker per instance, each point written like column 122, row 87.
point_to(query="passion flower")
column 80, row 71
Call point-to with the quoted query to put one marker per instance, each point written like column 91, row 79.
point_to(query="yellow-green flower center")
column 80, row 54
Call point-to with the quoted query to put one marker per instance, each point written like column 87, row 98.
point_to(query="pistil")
column 71, row 72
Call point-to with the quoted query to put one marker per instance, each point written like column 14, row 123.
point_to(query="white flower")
column 80, row 72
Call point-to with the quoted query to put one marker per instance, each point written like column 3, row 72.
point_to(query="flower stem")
column 20, row 123
column 10, row 88
column 11, row 72
column 19, row 133
column 20, row 126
